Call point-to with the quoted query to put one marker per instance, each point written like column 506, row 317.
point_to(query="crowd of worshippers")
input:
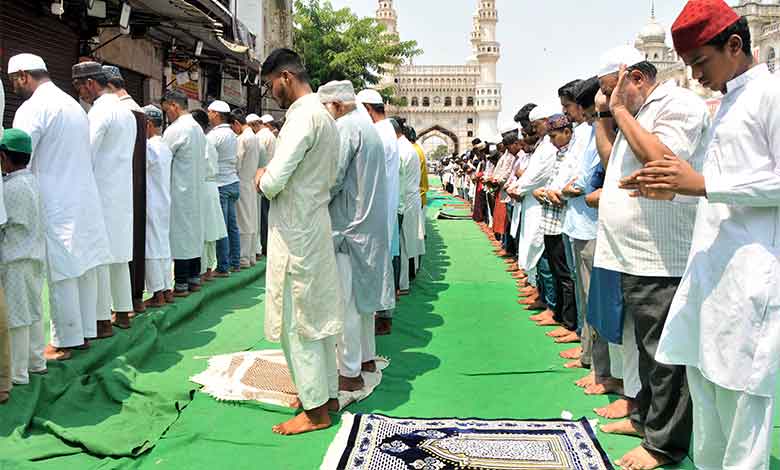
column 646, row 231
column 339, row 189
column 69, row 198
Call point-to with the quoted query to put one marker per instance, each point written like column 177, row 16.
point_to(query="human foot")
column 642, row 459
column 104, row 329
column 605, row 387
column 4, row 397
column 573, row 353
column 383, row 326
column 306, row 421
column 624, row 428
column 558, row 332
column 121, row 320
column 52, row 353
column 369, row 366
column 568, row 339
column 616, row 410
column 586, row 381
column 351, row 384
column 548, row 322
column 547, row 314
column 576, row 364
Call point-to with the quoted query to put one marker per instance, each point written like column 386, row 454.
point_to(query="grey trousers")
column 664, row 409
column 5, row 346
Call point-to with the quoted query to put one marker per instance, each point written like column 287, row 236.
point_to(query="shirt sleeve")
column 291, row 148
column 30, row 121
column 536, row 175
column 98, row 126
column 350, row 145
column 680, row 126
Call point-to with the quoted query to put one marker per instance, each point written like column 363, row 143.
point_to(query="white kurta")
column 300, row 254
column 112, row 133
column 248, row 160
column 393, row 168
column 531, row 244
column 158, row 199
column 76, row 239
column 187, row 142
column 213, row 221
column 413, row 234
column 725, row 317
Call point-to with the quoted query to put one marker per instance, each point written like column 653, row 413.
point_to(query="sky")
column 545, row 44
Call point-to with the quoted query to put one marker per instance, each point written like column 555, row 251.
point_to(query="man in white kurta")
column 249, row 156
column 374, row 105
column 304, row 302
column 268, row 142
column 359, row 218
column 158, row 262
column 724, row 322
column 187, row 142
column 412, row 235
column 112, row 132
column 76, row 240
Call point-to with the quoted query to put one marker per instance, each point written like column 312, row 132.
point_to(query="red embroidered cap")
column 699, row 22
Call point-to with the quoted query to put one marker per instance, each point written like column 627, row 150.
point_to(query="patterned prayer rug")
column 263, row 376
column 377, row 442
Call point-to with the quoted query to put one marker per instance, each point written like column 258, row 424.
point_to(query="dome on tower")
column 652, row 32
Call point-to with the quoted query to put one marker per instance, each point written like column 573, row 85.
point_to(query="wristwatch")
column 604, row 115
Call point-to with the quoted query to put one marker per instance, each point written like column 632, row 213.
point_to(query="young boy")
column 21, row 257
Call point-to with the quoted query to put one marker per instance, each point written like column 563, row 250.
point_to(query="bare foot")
column 52, row 353
column 573, row 353
column 642, row 459
column 618, row 409
column 548, row 322
column 369, row 366
column 297, row 404
column 574, row 365
column 605, row 387
column 568, row 339
column 558, row 332
column 383, row 326
column 4, row 397
column 333, row 405
column 308, row 421
column 624, row 428
column 547, row 314
column 586, row 381
column 121, row 320
column 104, row 329
column 350, row 384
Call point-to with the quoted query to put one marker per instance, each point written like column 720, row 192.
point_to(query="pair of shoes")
column 221, row 274
column 181, row 293
column 195, row 288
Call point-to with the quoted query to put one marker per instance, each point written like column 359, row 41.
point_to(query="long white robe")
column 112, row 133
column 267, row 141
column 531, row 244
column 213, row 221
column 187, row 142
column 247, row 163
column 393, row 168
column 76, row 239
column 300, row 253
column 158, row 199
column 412, row 232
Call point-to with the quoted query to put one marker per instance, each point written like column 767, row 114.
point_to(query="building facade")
column 450, row 103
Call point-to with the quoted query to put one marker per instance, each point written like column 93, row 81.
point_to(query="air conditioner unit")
column 97, row 9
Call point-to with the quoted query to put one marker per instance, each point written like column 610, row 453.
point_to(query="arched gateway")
column 446, row 135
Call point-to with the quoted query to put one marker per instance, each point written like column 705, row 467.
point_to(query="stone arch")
column 445, row 134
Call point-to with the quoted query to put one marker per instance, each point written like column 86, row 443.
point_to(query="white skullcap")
column 335, row 91
column 622, row 55
column 542, row 112
column 25, row 62
column 253, row 118
column 219, row 107
column 508, row 128
column 369, row 96
column 267, row 119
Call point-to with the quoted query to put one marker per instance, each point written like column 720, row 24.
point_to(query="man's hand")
column 602, row 102
column 570, row 191
column 540, row 195
column 555, row 198
column 592, row 199
column 619, row 98
column 639, row 189
column 672, row 175
column 258, row 176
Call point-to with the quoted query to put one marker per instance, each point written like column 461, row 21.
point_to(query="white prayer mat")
column 263, row 376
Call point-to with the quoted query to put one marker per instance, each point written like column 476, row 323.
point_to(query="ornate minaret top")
column 386, row 15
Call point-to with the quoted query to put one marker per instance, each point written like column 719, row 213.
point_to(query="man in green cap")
column 22, row 254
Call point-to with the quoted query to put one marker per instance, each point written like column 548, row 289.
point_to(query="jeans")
column 229, row 248
column 545, row 282
column 186, row 273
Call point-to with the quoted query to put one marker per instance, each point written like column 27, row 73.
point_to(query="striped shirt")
column 639, row 236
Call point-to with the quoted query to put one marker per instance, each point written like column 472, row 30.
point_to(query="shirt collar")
column 660, row 92
column 301, row 102
column 754, row 72
column 9, row 176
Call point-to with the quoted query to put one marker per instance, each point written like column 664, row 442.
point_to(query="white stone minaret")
column 386, row 15
column 488, row 51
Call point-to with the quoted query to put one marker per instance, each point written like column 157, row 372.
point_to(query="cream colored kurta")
column 213, row 222
column 187, row 142
column 249, row 151
column 298, row 182
column 412, row 230
column 76, row 239
column 158, row 199
column 112, row 132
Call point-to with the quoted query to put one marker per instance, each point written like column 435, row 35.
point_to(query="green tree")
column 337, row 45
column 439, row 152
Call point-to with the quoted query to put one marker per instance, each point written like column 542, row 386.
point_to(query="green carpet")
column 461, row 347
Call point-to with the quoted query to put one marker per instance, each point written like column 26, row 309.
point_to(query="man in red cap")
column 724, row 323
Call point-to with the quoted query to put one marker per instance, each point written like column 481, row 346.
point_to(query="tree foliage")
column 337, row 45
column 440, row 152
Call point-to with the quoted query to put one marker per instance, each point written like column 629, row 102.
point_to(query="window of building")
column 426, row 101
column 470, row 101
column 459, row 101
column 448, row 101
column 470, row 121
column 437, row 100
column 415, row 101
column 471, row 134
column 771, row 60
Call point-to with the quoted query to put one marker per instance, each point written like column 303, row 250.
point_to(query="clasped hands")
column 663, row 179
column 549, row 196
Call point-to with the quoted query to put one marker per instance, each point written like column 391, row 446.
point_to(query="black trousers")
column 265, row 204
column 186, row 272
column 566, row 302
column 664, row 404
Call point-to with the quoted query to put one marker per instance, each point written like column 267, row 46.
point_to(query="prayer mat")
column 454, row 214
column 263, row 376
column 377, row 442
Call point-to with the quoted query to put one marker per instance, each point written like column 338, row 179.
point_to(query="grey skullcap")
column 87, row 70
column 112, row 72
column 174, row 95
column 153, row 113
